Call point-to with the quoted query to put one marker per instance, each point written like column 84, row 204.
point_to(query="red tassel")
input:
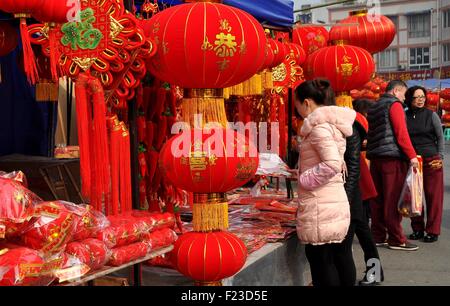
column 100, row 140
column 115, row 136
column 54, row 53
column 83, row 119
column 29, row 60
column 125, row 171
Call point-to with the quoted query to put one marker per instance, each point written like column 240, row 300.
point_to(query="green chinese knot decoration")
column 82, row 34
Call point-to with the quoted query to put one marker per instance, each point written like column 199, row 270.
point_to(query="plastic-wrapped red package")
column 161, row 261
column 161, row 238
column 20, row 267
column 155, row 221
column 89, row 223
column 124, row 230
column 17, row 206
column 17, row 176
column 53, row 228
column 71, row 268
column 125, row 254
column 92, row 252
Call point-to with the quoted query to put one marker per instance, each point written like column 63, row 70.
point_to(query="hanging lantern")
column 310, row 38
column 346, row 67
column 206, row 45
column 368, row 31
column 445, row 94
column 432, row 99
column 445, row 105
column 446, row 118
column 23, row 9
column 209, row 257
column 297, row 53
column 8, row 38
column 52, row 11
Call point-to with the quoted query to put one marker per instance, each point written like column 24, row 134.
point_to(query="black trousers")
column 364, row 234
column 332, row 264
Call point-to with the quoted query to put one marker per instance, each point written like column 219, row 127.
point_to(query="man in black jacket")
column 358, row 224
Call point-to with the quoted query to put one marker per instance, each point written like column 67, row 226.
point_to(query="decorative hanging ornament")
column 369, row 31
column 310, row 38
column 347, row 67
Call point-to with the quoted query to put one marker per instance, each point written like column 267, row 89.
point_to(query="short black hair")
column 395, row 83
column 409, row 95
column 362, row 105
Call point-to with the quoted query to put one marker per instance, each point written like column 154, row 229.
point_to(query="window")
column 446, row 52
column 419, row 58
column 388, row 59
column 419, row 25
column 446, row 19
column 394, row 20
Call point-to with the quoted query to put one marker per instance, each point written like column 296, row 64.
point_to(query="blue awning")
column 430, row 83
column 278, row 13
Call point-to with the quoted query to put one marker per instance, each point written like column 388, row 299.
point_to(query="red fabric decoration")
column 310, row 38
column 211, row 173
column 122, row 255
column 124, row 230
column 225, row 45
column 209, row 257
column 161, row 238
column 368, row 31
column 20, row 267
column 347, row 67
column 8, row 38
column 91, row 252
column 445, row 94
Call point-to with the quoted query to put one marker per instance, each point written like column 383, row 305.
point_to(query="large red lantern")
column 368, row 31
column 310, row 38
column 297, row 53
column 445, row 94
column 445, row 105
column 346, row 67
column 206, row 45
column 279, row 50
column 53, row 11
column 8, row 38
column 209, row 257
column 202, row 167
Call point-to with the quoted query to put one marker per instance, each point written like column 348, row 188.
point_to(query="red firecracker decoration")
column 225, row 45
column 368, row 31
column 310, row 38
column 209, row 257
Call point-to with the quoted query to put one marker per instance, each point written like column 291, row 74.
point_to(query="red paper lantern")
column 432, row 99
column 279, row 51
column 8, row 38
column 310, row 38
column 206, row 45
column 52, row 11
column 371, row 32
column 445, row 94
column 446, row 118
column 445, row 105
column 298, row 53
column 21, row 6
column 270, row 56
column 209, row 257
column 347, row 67
column 201, row 170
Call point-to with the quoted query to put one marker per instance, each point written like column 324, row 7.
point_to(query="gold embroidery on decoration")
column 116, row 28
column 84, row 63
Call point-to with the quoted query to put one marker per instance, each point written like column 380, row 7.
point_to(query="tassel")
column 115, row 137
column 210, row 216
column 83, row 119
column 100, row 140
column 125, row 171
column 29, row 60
column 54, row 52
column 47, row 91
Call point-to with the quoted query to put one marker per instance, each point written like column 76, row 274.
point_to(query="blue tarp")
column 278, row 13
column 430, row 83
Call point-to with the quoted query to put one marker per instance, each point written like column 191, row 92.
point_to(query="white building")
column 423, row 31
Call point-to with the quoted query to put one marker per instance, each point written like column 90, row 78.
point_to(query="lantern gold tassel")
column 208, row 103
column 47, row 91
column 210, row 212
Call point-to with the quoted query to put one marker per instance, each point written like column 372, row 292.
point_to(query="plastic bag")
column 53, row 228
column 17, row 206
column 161, row 238
column 92, row 252
column 89, row 223
column 124, row 230
column 17, row 176
column 412, row 196
column 20, row 267
column 125, row 254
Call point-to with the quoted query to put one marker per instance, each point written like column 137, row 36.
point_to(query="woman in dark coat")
column 425, row 131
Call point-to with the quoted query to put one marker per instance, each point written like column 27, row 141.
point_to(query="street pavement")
column 428, row 266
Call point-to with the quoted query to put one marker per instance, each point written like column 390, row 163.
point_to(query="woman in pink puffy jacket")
column 323, row 215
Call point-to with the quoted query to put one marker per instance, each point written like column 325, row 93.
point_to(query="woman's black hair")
column 318, row 90
column 362, row 105
column 410, row 94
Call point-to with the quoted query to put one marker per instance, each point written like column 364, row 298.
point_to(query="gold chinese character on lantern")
column 225, row 25
column 346, row 67
column 225, row 45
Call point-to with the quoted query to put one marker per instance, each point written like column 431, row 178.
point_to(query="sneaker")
column 404, row 247
column 381, row 244
column 370, row 280
column 416, row 236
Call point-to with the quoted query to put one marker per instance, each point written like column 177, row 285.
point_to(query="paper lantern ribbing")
column 346, row 67
column 310, row 38
column 371, row 32
column 206, row 45
column 209, row 257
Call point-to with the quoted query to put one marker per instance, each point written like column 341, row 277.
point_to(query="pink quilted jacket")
column 324, row 212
